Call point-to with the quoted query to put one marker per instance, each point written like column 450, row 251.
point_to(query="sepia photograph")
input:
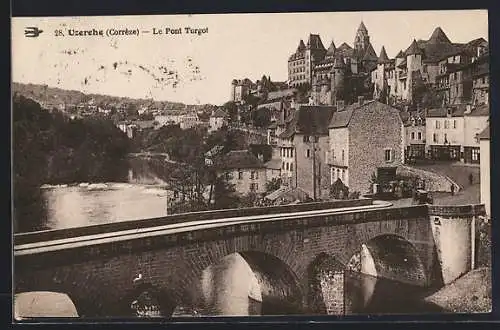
column 173, row 167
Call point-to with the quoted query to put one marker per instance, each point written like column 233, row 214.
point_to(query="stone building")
column 302, row 62
column 445, row 132
column 244, row 170
column 217, row 120
column 306, row 135
column 451, row 132
column 362, row 137
column 343, row 73
column 475, row 121
column 455, row 81
column 436, row 63
column 480, row 79
column 414, row 127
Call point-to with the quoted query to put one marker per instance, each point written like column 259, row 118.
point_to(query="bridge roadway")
column 138, row 233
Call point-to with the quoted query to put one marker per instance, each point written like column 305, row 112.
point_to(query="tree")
column 261, row 117
column 339, row 190
column 232, row 109
column 273, row 185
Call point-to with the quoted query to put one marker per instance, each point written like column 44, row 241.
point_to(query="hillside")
column 53, row 96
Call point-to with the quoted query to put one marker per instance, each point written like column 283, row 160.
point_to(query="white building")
column 484, row 138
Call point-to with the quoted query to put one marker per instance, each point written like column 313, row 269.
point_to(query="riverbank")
column 470, row 293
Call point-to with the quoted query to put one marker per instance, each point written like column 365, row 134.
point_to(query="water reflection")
column 134, row 191
column 229, row 292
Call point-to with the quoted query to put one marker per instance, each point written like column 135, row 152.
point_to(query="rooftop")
column 343, row 117
column 239, row 159
column 485, row 134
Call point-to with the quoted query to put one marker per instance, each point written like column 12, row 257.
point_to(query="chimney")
column 468, row 108
column 361, row 100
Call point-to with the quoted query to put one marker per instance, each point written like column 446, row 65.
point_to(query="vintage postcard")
column 330, row 163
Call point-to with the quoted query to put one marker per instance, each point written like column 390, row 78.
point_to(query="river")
column 137, row 193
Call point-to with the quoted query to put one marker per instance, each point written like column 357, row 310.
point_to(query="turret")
column 233, row 89
column 337, row 79
column 414, row 57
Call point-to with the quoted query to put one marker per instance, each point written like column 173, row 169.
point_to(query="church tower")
column 362, row 39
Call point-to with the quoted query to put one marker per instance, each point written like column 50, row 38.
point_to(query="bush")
column 483, row 242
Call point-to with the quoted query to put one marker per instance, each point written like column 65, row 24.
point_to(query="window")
column 252, row 175
column 419, row 135
column 286, row 166
column 475, row 154
column 438, row 124
column 446, row 124
column 240, row 174
column 228, row 176
column 254, row 186
column 343, row 155
column 291, row 152
column 338, row 174
column 454, row 124
column 316, row 139
column 413, row 135
column 308, row 153
column 305, row 138
column 388, row 155
column 445, row 138
column 291, row 166
column 343, row 175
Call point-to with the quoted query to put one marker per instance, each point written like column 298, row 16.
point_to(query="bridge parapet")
column 33, row 237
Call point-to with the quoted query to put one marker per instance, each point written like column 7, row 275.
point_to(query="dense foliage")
column 51, row 148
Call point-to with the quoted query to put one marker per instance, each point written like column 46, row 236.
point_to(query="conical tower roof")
column 383, row 58
column 370, row 54
column 331, row 49
column 413, row 49
column 400, row 54
column 438, row 36
column 301, row 46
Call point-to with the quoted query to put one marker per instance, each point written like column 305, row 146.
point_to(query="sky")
column 198, row 69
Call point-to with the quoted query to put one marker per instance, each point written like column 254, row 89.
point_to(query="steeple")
column 362, row 39
column 383, row 59
column 413, row 49
column 362, row 28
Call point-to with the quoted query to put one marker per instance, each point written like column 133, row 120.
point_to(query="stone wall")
column 433, row 181
column 373, row 129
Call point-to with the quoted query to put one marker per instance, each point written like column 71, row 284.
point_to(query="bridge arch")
column 248, row 282
column 389, row 256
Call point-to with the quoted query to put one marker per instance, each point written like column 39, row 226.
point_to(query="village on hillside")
column 347, row 122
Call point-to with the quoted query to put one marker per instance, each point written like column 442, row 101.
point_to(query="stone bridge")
column 104, row 268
